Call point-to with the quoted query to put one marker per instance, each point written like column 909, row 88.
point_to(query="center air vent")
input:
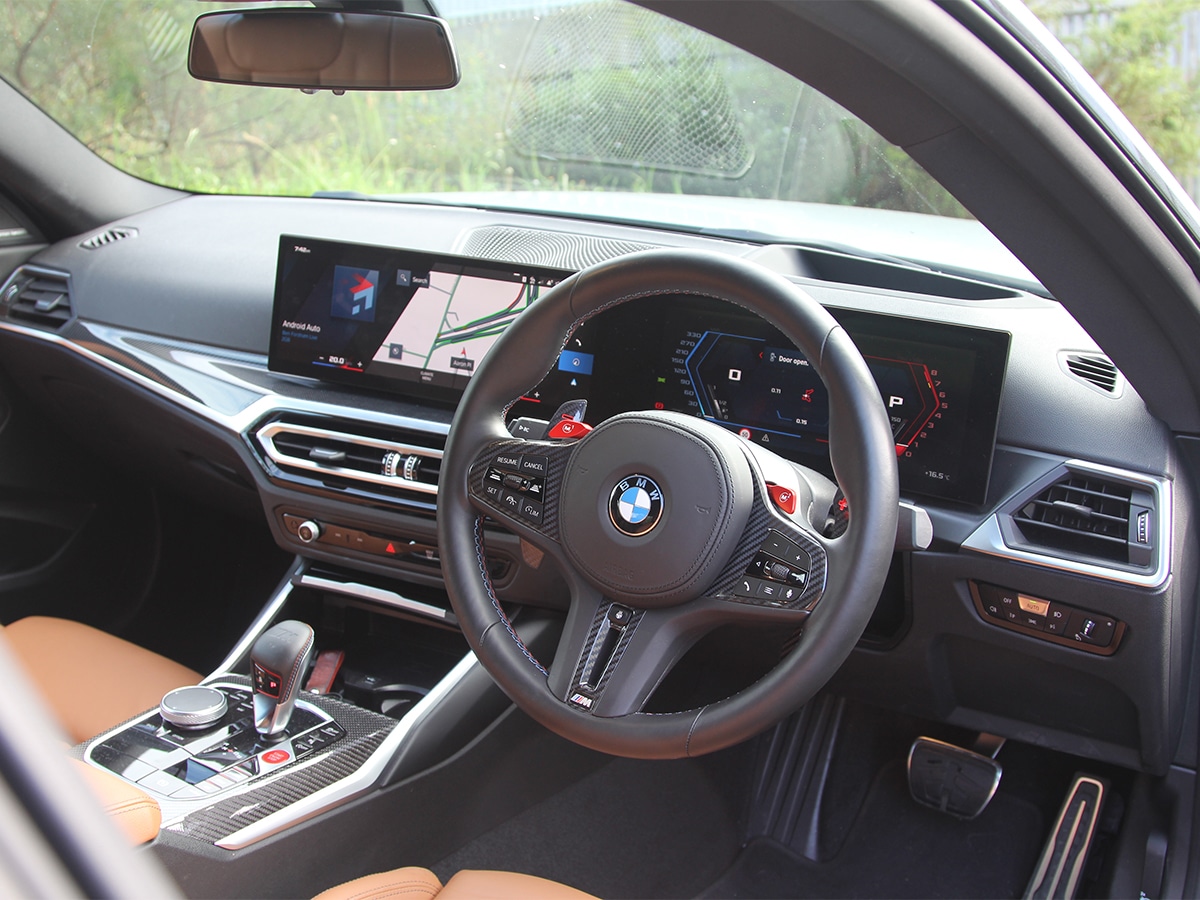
column 38, row 297
column 1094, row 369
column 1084, row 515
column 398, row 465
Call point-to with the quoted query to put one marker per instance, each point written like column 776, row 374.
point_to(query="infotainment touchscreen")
column 392, row 319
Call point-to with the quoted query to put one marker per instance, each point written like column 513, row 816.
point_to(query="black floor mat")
column 897, row 848
column 632, row 829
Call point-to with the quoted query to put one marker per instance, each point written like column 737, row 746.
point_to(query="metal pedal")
column 1061, row 864
column 953, row 780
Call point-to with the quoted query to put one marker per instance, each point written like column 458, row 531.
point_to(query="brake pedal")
column 1061, row 864
column 952, row 779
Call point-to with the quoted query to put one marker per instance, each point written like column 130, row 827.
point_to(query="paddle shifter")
column 278, row 661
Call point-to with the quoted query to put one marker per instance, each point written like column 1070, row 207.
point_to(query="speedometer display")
column 939, row 383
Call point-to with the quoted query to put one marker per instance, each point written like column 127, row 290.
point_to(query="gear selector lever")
column 278, row 661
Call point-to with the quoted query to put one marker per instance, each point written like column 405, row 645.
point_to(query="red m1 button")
column 783, row 497
column 569, row 429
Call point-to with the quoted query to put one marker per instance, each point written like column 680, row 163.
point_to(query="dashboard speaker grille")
column 1086, row 516
column 39, row 297
column 555, row 249
column 1093, row 368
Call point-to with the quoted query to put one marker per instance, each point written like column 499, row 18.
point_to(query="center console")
column 229, row 775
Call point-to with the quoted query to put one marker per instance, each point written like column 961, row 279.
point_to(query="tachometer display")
column 939, row 383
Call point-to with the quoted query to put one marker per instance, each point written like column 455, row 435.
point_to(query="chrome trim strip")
column 378, row 595
column 989, row 538
column 356, row 783
column 265, row 434
column 261, row 622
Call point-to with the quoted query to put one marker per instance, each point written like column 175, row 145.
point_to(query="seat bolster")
column 135, row 811
column 409, row 883
column 89, row 679
column 474, row 884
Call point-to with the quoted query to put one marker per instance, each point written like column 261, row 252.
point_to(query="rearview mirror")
column 317, row 49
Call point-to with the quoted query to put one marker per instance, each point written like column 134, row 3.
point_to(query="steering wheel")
column 665, row 526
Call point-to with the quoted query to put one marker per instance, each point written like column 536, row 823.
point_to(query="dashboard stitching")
column 487, row 585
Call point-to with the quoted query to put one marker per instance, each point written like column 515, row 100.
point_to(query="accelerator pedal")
column 1061, row 864
column 953, row 779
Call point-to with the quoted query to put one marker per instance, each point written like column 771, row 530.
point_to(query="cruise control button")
column 535, row 466
column 531, row 510
column 514, row 482
column 508, row 461
column 492, row 491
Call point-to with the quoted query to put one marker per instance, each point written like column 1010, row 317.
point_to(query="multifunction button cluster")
column 778, row 572
column 1089, row 630
column 517, row 484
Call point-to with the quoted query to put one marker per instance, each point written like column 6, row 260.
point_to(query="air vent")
column 39, row 297
column 1083, row 515
column 399, row 465
column 556, row 249
column 111, row 236
column 1093, row 369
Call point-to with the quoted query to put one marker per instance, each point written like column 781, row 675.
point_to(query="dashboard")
column 299, row 360
column 417, row 324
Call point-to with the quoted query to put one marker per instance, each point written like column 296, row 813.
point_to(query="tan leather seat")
column 136, row 813
column 90, row 680
column 415, row 883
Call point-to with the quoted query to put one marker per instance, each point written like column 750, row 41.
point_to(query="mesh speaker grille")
column 555, row 249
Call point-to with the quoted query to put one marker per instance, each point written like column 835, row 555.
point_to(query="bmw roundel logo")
column 635, row 505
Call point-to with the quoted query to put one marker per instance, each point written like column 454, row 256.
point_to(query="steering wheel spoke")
column 517, row 483
column 612, row 656
column 779, row 565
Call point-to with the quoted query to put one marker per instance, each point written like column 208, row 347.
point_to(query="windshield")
column 596, row 96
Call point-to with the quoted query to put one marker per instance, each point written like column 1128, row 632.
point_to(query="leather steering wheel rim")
column 862, row 452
